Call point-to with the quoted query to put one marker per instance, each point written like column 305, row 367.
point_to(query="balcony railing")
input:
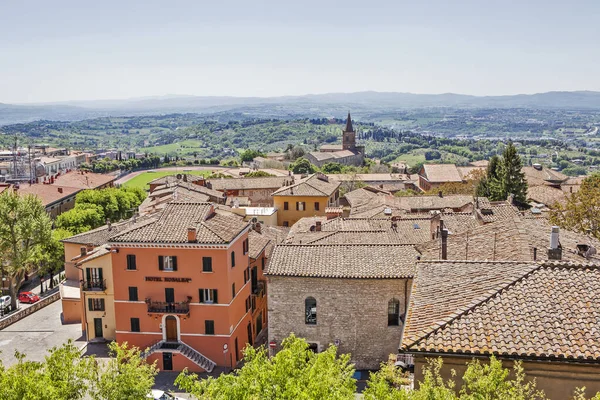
column 163, row 307
column 259, row 289
column 94, row 285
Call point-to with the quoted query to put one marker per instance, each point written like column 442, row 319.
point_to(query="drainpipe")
column 87, row 331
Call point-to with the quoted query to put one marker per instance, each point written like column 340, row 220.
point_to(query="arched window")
column 393, row 312
column 310, row 307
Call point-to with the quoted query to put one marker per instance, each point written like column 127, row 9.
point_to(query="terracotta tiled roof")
column 314, row 185
column 546, row 195
column 269, row 182
column 99, row 236
column 170, row 179
column 497, row 212
column 468, row 172
column 330, row 147
column 365, row 261
column 359, row 196
column 48, row 194
column 536, row 177
column 547, row 311
column 443, row 290
column 87, row 180
column 97, row 253
column 171, row 226
column 266, row 240
column 441, row 173
column 480, row 163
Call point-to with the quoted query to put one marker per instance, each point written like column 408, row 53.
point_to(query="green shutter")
column 161, row 263
column 174, row 263
column 88, row 275
column 90, row 306
column 100, row 274
column 215, row 296
column 201, row 291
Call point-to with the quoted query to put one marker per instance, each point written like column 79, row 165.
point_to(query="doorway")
column 250, row 333
column 98, row 327
column 169, row 295
column 171, row 328
column 167, row 361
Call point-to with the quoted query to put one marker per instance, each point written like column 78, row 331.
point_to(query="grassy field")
column 144, row 178
column 183, row 147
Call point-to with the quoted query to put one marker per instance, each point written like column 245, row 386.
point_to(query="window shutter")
column 88, row 274
column 100, row 274
column 174, row 263
column 101, row 304
column 201, row 291
column 215, row 296
column 161, row 263
column 90, row 306
column 297, row 206
column 233, row 259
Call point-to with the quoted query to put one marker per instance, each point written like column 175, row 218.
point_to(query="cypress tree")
column 512, row 178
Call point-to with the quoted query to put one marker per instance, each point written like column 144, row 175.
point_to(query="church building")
column 348, row 153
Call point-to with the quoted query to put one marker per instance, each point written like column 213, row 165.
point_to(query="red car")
column 28, row 297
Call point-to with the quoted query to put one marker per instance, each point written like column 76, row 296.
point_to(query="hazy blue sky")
column 71, row 50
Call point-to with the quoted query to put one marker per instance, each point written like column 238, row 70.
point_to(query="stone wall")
column 19, row 315
column 353, row 311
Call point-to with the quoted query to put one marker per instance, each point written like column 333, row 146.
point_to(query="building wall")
column 291, row 216
column 108, row 315
column 558, row 379
column 55, row 209
column 354, row 311
column 230, row 316
column 71, row 311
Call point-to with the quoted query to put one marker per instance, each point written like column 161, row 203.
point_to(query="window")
column 393, row 312
column 131, row 262
column 246, row 275
column 310, row 307
column 262, row 261
column 206, row 264
column 96, row 304
column 248, row 303
column 208, row 296
column 135, row 324
column 209, row 327
column 232, row 259
column 232, row 290
column 316, row 206
column 286, row 223
column 245, row 246
column 133, row 294
column 300, row 206
column 167, row 263
column 286, row 205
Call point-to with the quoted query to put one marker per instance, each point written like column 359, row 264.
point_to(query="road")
column 35, row 334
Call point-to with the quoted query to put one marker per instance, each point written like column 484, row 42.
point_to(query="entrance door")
column 171, row 327
column 98, row 327
column 168, row 361
column 250, row 333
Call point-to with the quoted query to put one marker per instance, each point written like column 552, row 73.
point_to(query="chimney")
column 555, row 250
column 345, row 212
column 83, row 250
column 89, row 247
column 440, row 193
column 535, row 254
column 257, row 227
column 318, row 226
column 109, row 224
column 60, row 190
column 185, row 177
column 444, row 244
column 434, row 224
column 191, row 235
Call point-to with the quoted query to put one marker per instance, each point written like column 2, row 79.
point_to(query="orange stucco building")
column 186, row 288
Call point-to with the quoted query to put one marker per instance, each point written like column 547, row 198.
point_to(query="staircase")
column 196, row 357
column 200, row 360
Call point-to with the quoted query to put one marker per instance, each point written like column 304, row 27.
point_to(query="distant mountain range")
column 315, row 104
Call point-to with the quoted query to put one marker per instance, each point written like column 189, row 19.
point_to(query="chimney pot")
column 444, row 244
column 60, row 190
column 440, row 193
column 318, row 226
column 109, row 224
column 83, row 250
column 191, row 235
column 555, row 250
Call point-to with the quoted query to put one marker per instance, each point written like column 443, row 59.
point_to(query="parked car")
column 28, row 297
column 160, row 395
column 4, row 303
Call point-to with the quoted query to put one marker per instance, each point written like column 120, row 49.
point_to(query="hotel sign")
column 167, row 279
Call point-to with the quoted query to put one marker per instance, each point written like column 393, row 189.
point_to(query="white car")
column 161, row 395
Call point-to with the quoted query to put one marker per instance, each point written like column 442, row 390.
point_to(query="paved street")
column 36, row 334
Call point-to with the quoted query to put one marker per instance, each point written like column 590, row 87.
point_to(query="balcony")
column 259, row 289
column 95, row 285
column 163, row 307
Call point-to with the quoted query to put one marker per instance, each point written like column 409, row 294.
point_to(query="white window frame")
column 167, row 263
column 209, row 296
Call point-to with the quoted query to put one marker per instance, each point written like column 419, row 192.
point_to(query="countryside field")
column 145, row 177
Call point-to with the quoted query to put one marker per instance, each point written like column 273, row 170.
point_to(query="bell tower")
column 349, row 135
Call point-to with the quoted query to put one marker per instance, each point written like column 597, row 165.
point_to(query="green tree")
column 512, row 177
column 303, row 166
column 581, row 212
column 82, row 218
column 125, row 376
column 258, row 174
column 249, row 155
column 295, row 372
column 332, row 168
column 52, row 256
column 387, row 383
column 25, row 230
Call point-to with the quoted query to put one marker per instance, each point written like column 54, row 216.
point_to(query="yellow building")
column 308, row 197
column 97, row 295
